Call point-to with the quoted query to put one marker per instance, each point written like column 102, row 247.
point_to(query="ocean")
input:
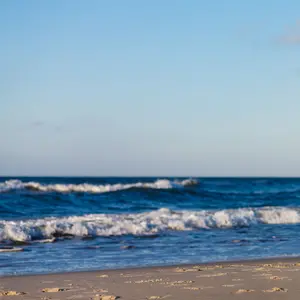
column 73, row 224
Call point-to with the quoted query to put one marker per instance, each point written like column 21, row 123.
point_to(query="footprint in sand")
column 105, row 297
column 267, row 265
column 102, row 291
column 260, row 269
column 237, row 279
column 276, row 289
column 241, row 291
column 179, row 283
column 11, row 293
column 228, row 285
column 54, row 290
column 158, row 297
column 213, row 275
column 182, row 270
column 158, row 280
column 192, row 288
column 277, row 278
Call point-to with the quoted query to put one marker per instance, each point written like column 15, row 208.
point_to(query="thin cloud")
column 293, row 36
column 38, row 123
column 58, row 128
column 291, row 39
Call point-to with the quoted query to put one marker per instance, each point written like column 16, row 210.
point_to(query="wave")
column 11, row 185
column 143, row 224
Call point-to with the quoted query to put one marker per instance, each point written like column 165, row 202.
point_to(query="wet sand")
column 264, row 279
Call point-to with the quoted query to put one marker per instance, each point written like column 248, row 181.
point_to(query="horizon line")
column 151, row 176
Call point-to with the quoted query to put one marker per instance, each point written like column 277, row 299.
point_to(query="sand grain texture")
column 11, row 293
column 252, row 280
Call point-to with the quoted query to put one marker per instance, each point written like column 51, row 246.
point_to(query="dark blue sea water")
column 72, row 224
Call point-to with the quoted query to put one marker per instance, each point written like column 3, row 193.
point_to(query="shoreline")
column 255, row 279
column 284, row 259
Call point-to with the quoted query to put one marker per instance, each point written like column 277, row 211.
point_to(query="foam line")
column 10, row 185
column 143, row 224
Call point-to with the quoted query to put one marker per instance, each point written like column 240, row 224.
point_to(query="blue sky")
column 150, row 88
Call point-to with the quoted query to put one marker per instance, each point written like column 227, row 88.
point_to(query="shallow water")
column 71, row 224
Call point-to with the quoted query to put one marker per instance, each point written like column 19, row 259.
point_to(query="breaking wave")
column 10, row 185
column 143, row 224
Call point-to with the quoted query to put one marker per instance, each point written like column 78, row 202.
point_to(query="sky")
column 150, row 88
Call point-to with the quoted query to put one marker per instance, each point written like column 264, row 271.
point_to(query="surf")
column 149, row 223
column 11, row 185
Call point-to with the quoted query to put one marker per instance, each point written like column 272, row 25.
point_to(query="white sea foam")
column 92, row 188
column 143, row 224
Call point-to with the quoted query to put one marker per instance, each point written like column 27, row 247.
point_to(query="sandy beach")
column 264, row 279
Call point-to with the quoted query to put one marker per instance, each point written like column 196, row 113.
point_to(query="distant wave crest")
column 10, row 185
column 143, row 224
